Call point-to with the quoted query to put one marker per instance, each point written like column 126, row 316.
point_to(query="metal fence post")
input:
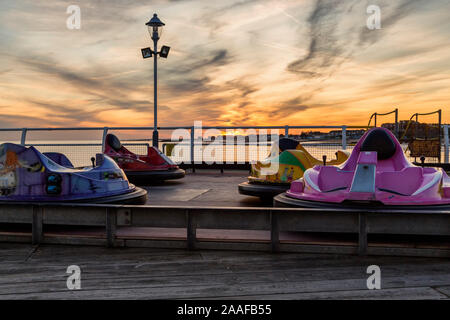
column 192, row 148
column 23, row 137
column 105, row 132
column 439, row 134
column 446, row 144
column 344, row 137
column 396, row 124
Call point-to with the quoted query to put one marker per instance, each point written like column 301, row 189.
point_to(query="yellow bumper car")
column 288, row 160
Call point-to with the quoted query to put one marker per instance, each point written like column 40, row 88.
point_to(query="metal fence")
column 196, row 144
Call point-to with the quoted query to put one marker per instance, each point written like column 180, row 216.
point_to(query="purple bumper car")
column 26, row 175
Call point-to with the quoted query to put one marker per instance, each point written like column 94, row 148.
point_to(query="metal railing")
column 376, row 115
column 80, row 153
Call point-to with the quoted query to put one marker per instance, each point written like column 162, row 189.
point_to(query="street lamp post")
column 155, row 28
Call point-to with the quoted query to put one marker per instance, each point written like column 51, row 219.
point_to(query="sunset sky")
column 243, row 62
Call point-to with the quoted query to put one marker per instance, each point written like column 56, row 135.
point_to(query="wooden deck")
column 205, row 187
column 39, row 272
column 147, row 262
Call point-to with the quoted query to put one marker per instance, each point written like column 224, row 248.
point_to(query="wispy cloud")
column 238, row 62
column 326, row 49
column 391, row 15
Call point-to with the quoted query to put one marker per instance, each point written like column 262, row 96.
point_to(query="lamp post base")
column 155, row 139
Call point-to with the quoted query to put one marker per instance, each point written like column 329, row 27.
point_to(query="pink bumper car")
column 377, row 174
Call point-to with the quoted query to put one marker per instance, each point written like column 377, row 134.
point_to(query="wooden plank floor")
column 205, row 187
column 28, row 272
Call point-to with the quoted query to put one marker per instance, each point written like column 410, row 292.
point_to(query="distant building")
column 412, row 129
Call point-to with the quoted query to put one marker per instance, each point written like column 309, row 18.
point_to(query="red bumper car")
column 141, row 169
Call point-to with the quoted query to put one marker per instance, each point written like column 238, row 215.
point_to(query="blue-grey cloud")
column 391, row 17
column 324, row 46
